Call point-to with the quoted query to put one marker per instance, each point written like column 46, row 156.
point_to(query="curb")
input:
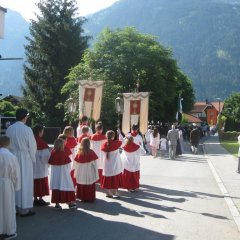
column 232, row 207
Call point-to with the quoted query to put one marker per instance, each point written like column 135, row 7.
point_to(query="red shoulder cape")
column 58, row 158
column 98, row 137
column 71, row 142
column 134, row 133
column 113, row 145
column 82, row 136
column 131, row 147
column 67, row 151
column 41, row 144
column 87, row 157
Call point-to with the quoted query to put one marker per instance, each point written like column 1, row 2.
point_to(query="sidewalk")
column 224, row 166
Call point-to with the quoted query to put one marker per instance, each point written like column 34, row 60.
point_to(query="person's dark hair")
column 4, row 141
column 84, row 119
column 155, row 132
column 134, row 127
column 37, row 129
column 21, row 113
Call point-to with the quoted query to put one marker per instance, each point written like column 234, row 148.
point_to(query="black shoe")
column 30, row 213
column 41, row 202
column 36, row 202
column 7, row 237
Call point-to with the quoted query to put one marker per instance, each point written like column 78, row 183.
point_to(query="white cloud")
column 27, row 7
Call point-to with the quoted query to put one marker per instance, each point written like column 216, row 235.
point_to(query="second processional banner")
column 135, row 111
column 90, row 98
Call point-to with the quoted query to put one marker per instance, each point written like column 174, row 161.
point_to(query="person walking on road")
column 23, row 146
column 172, row 137
column 194, row 138
column 238, row 155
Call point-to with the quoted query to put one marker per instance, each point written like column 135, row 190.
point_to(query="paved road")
column 178, row 199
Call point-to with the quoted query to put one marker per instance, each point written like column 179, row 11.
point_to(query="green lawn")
column 231, row 146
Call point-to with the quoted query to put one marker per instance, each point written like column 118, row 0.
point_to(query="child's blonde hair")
column 59, row 144
column 99, row 127
column 62, row 136
column 85, row 129
column 84, row 145
column 129, row 140
column 110, row 135
column 68, row 131
column 4, row 141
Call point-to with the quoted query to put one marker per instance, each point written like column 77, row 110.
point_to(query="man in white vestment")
column 9, row 183
column 23, row 146
column 83, row 122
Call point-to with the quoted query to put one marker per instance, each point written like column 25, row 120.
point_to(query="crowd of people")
column 77, row 164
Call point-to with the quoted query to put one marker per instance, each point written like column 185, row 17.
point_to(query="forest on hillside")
column 204, row 36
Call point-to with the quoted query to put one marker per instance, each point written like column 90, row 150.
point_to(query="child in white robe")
column 154, row 141
column 97, row 140
column 130, row 155
column 163, row 145
column 61, row 182
column 40, row 168
column 10, row 181
column 86, row 172
column 112, row 165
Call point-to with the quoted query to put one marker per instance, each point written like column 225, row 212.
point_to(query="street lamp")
column 71, row 105
column 71, row 108
column 219, row 100
column 119, row 105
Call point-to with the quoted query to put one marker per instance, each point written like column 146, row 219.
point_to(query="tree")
column 56, row 44
column 231, row 111
column 7, row 109
column 122, row 58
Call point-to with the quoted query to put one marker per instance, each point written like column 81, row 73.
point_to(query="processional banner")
column 135, row 111
column 90, row 98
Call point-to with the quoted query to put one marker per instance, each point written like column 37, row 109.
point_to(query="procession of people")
column 77, row 164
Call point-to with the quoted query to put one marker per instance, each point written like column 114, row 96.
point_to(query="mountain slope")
column 12, row 46
column 204, row 36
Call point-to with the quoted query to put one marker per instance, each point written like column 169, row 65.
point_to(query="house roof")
column 3, row 9
column 13, row 97
column 192, row 119
column 216, row 105
column 200, row 107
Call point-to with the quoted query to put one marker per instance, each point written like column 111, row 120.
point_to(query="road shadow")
column 50, row 224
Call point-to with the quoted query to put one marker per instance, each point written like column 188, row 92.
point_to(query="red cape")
column 113, row 145
column 131, row 147
column 41, row 144
column 87, row 157
column 59, row 158
column 82, row 136
column 71, row 142
column 134, row 133
column 98, row 137
column 67, row 151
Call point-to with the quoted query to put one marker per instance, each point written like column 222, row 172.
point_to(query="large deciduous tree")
column 231, row 111
column 125, row 56
column 56, row 44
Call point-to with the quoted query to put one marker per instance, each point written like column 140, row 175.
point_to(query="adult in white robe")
column 23, row 146
column 10, row 182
